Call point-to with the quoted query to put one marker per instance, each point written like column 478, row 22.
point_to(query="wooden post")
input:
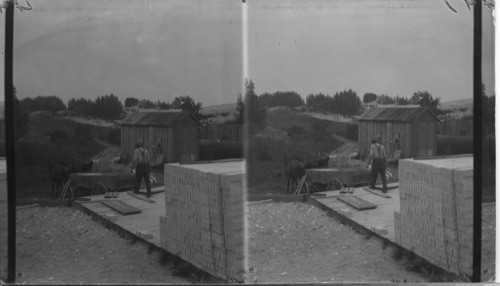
column 9, row 140
column 478, row 141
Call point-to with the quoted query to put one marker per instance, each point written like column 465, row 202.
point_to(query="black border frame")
column 10, row 147
column 9, row 141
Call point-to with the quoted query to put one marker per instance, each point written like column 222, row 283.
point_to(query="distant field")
column 218, row 114
column 457, row 103
column 457, row 109
column 227, row 107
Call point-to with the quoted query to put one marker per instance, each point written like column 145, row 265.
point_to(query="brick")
column 435, row 218
column 380, row 231
column 144, row 235
column 206, row 219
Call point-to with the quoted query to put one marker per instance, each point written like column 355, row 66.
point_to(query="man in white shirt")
column 378, row 159
column 142, row 165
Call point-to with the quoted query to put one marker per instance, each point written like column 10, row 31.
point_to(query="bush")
column 259, row 148
column 295, row 131
column 454, row 145
column 319, row 129
column 352, row 132
column 131, row 101
column 369, row 97
column 82, row 130
column 58, row 135
column 218, row 150
column 114, row 136
column 25, row 152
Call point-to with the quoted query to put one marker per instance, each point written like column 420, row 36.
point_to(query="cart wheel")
column 334, row 185
column 98, row 189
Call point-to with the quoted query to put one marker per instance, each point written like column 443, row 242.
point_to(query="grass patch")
column 419, row 265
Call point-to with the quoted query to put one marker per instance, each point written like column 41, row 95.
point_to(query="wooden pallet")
column 121, row 207
column 356, row 202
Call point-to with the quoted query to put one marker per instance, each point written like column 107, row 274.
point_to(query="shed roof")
column 170, row 118
column 404, row 114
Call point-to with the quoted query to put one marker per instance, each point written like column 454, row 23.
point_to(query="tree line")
column 345, row 102
column 252, row 107
column 107, row 107
column 422, row 98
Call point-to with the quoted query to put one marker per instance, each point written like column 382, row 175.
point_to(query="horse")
column 58, row 176
column 295, row 169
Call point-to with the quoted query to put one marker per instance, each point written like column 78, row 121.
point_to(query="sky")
column 162, row 49
column 132, row 48
column 392, row 47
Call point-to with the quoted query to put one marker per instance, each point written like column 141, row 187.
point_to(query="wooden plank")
column 137, row 196
column 299, row 187
column 347, row 190
column 378, row 218
column 274, row 197
column 156, row 190
column 121, row 207
column 377, row 193
column 356, row 202
column 112, row 194
column 259, row 202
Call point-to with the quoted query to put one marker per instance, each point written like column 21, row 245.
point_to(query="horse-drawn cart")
column 336, row 178
column 100, row 183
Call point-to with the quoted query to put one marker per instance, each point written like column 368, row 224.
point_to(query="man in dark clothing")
column 377, row 158
column 142, row 165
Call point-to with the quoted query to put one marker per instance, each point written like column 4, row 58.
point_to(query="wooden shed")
column 170, row 136
column 413, row 130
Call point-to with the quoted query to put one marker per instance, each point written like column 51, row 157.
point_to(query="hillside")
column 289, row 134
column 457, row 109
column 220, row 108
column 457, row 103
column 55, row 140
column 218, row 114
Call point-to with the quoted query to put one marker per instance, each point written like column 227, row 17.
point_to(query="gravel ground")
column 60, row 245
column 488, row 242
column 297, row 242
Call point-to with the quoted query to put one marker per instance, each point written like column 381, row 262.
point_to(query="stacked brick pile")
column 435, row 218
column 204, row 220
column 3, row 220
